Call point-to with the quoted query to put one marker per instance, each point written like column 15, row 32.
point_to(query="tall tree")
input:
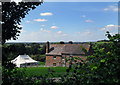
column 12, row 14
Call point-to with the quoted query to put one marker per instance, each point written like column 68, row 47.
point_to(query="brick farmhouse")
column 56, row 54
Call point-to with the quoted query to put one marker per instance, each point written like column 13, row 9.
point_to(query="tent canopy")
column 23, row 59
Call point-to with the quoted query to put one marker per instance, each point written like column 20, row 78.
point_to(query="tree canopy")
column 12, row 14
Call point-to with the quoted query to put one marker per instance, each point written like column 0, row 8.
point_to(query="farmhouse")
column 56, row 54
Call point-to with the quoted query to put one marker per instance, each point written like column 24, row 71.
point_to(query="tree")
column 34, row 48
column 20, row 48
column 101, row 67
column 12, row 14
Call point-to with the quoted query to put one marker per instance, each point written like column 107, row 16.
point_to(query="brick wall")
column 60, row 60
column 50, row 60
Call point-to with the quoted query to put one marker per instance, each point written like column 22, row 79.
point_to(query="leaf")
column 108, row 53
column 103, row 60
column 95, row 67
column 92, row 56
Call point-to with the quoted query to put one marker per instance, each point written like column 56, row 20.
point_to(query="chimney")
column 70, row 42
column 47, row 47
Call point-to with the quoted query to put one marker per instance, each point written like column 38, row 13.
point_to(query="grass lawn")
column 42, row 63
column 37, row 71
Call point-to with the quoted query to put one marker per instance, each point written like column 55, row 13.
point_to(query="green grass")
column 37, row 71
column 42, row 63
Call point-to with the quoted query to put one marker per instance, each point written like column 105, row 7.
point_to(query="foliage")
column 21, row 49
column 38, row 57
column 41, row 63
column 56, row 43
column 11, row 18
column 8, row 69
column 103, row 40
column 101, row 67
column 35, row 48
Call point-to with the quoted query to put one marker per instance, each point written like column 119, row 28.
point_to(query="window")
column 54, row 57
column 54, row 64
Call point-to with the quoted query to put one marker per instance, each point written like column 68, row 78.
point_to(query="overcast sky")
column 66, row 21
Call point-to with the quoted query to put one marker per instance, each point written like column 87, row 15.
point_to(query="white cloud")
column 110, row 27
column 113, row 29
column 65, row 35
column 40, row 20
column 83, row 16
column 85, row 33
column 59, row 32
column 89, row 20
column 44, row 35
column 111, row 8
column 42, row 25
column 102, row 29
column 27, row 21
column 22, row 31
column 54, row 27
column 46, row 14
column 44, row 30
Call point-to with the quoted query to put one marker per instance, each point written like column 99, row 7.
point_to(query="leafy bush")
column 101, row 67
column 40, row 58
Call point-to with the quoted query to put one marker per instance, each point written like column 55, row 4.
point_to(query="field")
column 37, row 71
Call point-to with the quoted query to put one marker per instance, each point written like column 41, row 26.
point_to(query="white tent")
column 24, row 61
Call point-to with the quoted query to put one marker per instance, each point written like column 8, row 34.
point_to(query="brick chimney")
column 70, row 42
column 47, row 47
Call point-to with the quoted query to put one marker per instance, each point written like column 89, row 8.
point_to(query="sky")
column 81, row 0
column 74, row 0
column 69, row 21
